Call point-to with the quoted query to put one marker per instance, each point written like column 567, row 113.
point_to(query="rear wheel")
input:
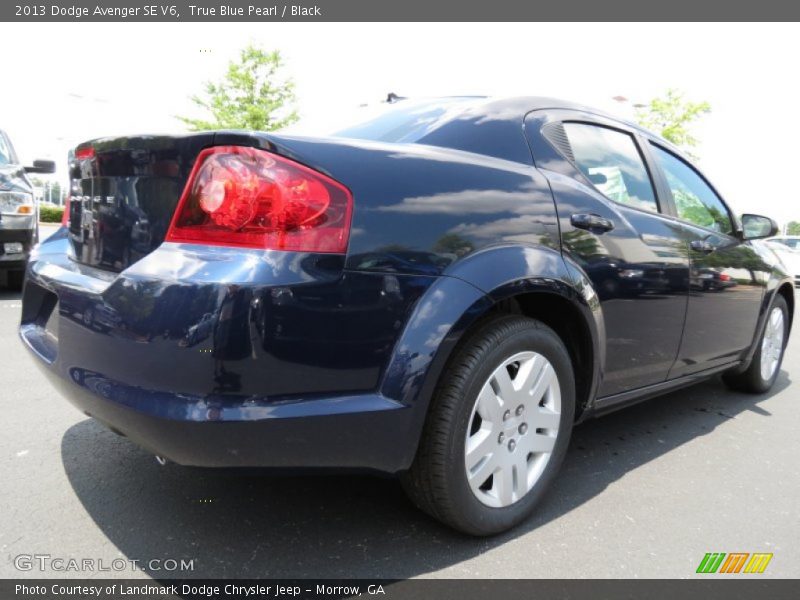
column 762, row 372
column 498, row 428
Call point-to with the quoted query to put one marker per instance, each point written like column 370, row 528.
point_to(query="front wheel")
column 762, row 372
column 498, row 428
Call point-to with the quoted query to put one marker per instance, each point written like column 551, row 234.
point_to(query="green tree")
column 254, row 94
column 793, row 228
column 671, row 117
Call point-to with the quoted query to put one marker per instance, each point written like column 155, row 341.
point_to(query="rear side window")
column 694, row 199
column 612, row 162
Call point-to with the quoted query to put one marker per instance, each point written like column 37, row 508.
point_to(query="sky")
column 70, row 82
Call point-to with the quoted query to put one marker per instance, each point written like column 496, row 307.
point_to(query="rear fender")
column 455, row 302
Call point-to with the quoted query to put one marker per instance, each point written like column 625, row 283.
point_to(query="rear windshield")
column 6, row 151
column 404, row 121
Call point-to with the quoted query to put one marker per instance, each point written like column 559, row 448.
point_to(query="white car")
column 791, row 241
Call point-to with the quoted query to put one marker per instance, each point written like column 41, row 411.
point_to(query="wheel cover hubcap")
column 512, row 429
column 772, row 344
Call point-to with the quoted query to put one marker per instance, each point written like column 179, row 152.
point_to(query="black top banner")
column 399, row 10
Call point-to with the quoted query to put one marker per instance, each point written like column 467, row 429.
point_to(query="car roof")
column 486, row 125
column 484, row 109
column 520, row 106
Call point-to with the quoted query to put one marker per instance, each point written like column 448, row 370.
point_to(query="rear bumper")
column 355, row 432
column 242, row 374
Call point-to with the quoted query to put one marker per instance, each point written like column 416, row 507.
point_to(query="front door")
column 727, row 276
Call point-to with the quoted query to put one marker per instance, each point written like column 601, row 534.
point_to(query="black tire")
column 437, row 481
column 751, row 380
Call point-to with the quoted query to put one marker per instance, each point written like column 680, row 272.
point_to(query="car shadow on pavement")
column 256, row 525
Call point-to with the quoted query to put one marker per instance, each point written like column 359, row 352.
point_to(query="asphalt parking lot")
column 645, row 493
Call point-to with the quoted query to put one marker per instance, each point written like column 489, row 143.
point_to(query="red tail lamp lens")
column 242, row 196
column 85, row 152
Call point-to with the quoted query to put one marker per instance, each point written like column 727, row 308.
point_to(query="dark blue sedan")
column 441, row 292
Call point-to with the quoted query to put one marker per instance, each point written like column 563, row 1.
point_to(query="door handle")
column 701, row 246
column 593, row 223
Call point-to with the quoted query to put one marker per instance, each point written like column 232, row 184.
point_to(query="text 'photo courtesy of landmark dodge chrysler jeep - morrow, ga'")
column 440, row 292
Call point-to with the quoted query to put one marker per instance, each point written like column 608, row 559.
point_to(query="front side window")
column 694, row 200
column 611, row 161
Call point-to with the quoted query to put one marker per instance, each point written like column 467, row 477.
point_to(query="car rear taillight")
column 724, row 277
column 65, row 216
column 242, row 196
column 84, row 153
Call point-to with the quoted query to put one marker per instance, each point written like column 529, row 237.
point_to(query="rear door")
column 727, row 276
column 613, row 227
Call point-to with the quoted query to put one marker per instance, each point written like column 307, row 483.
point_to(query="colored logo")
column 735, row 562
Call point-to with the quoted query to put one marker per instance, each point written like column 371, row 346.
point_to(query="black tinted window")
column 611, row 161
column 694, row 200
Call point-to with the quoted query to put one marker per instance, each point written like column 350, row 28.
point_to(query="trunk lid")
column 123, row 193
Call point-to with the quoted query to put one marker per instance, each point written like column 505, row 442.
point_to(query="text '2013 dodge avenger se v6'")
column 440, row 292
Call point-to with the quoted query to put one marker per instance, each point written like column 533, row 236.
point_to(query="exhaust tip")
column 161, row 460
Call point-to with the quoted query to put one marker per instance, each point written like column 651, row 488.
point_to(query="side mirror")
column 757, row 227
column 42, row 166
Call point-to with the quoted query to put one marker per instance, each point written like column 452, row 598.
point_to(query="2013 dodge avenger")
column 441, row 292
